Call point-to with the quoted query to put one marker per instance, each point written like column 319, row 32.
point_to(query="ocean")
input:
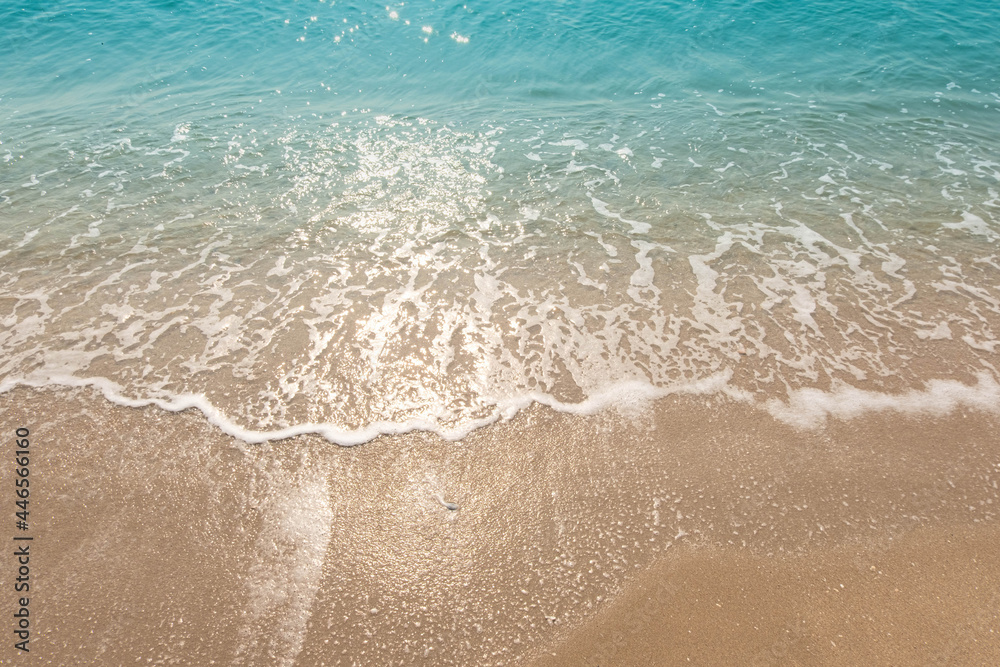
column 354, row 219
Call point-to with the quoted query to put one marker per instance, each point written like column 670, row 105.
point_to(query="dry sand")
column 692, row 531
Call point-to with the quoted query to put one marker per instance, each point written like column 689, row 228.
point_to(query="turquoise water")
column 105, row 64
column 360, row 218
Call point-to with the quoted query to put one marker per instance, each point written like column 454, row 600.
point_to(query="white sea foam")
column 940, row 332
column 389, row 274
column 624, row 393
column 576, row 144
column 602, row 208
column 296, row 517
column 973, row 224
column 809, row 408
column 806, row 408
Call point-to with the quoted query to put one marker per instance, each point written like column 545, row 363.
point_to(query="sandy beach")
column 694, row 530
column 511, row 333
column 928, row 597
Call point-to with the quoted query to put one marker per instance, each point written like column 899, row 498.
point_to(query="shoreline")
column 161, row 537
column 806, row 408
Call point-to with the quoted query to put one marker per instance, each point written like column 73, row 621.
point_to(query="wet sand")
column 930, row 596
column 694, row 530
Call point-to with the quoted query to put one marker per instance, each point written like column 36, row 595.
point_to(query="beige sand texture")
column 695, row 530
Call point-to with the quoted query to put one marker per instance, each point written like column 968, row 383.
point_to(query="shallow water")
column 356, row 219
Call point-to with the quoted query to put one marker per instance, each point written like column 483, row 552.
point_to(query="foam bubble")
column 602, row 208
column 809, row 408
column 974, row 225
column 291, row 545
column 384, row 273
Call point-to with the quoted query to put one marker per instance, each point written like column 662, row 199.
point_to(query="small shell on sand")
column 447, row 505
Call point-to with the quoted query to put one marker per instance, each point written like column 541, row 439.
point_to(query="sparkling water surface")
column 361, row 218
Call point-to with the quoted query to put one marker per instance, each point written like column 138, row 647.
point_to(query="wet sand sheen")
column 930, row 596
column 160, row 539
